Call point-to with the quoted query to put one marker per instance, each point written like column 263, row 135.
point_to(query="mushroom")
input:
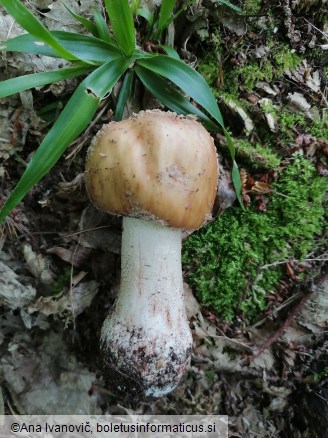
column 160, row 171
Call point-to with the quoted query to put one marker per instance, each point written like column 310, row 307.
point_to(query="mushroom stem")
column 145, row 340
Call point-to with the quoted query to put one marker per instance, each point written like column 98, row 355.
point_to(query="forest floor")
column 260, row 333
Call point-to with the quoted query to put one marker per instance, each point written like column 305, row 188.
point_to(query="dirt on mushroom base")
column 131, row 384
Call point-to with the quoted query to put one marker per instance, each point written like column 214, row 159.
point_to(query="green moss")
column 256, row 155
column 252, row 6
column 209, row 69
column 254, row 72
column 325, row 72
column 290, row 123
column 285, row 59
column 224, row 259
column 317, row 377
column 319, row 127
column 62, row 281
column 281, row 58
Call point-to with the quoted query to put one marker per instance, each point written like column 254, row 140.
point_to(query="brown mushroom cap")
column 155, row 165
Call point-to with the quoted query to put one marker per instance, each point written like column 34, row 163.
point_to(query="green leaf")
column 91, row 27
column 175, row 16
column 135, row 6
column 169, row 51
column 22, row 83
column 140, row 54
column 33, row 26
column 166, row 17
column 170, row 97
column 126, row 93
column 102, row 27
column 146, row 14
column 86, row 48
column 235, row 176
column 74, row 118
column 121, row 19
column 230, row 5
column 191, row 82
column 165, row 13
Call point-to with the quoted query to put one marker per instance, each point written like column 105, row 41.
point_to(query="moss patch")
column 209, row 69
column 252, row 6
column 62, row 281
column 256, row 155
column 280, row 60
column 290, row 122
column 223, row 260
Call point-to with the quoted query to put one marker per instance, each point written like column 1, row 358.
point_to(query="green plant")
column 253, row 73
column 235, row 261
column 105, row 57
column 290, row 122
column 257, row 155
column 272, row 67
column 62, row 281
column 284, row 59
column 317, row 377
column 253, row 6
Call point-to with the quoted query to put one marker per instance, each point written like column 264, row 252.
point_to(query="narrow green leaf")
column 175, row 16
column 169, row 51
column 84, row 47
column 146, row 14
column 135, row 6
column 91, row 27
column 72, row 121
column 230, row 5
column 165, row 13
column 22, row 83
column 191, row 82
column 140, row 54
column 49, row 113
column 235, row 175
column 230, row 144
column 170, row 97
column 33, row 26
column 121, row 19
column 126, row 93
column 102, row 27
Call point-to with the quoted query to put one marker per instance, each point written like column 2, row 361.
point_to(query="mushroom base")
column 138, row 374
column 146, row 341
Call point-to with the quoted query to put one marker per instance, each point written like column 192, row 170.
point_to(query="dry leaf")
column 14, row 294
column 38, row 266
column 74, row 303
column 75, row 256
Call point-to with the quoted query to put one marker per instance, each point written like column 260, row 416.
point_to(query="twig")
column 277, row 310
column 289, row 319
column 283, row 328
column 316, row 28
column 63, row 236
column 316, row 259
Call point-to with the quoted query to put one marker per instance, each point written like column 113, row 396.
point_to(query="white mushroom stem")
column 146, row 340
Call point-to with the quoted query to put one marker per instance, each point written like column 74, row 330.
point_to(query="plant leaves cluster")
column 104, row 56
